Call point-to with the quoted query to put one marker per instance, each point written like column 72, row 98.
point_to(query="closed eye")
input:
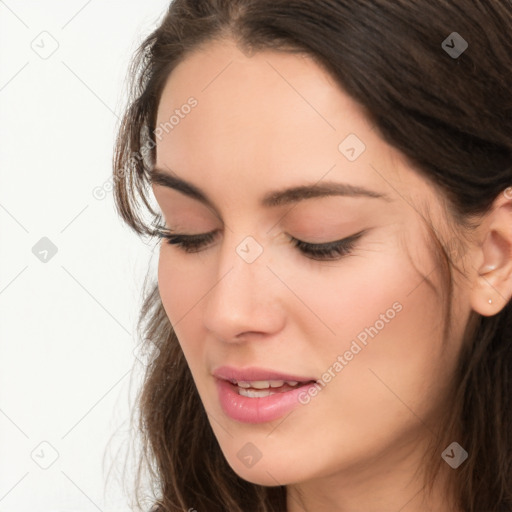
column 327, row 251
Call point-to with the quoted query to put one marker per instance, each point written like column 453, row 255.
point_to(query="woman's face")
column 366, row 324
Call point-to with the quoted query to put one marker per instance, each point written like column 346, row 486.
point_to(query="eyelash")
column 322, row 252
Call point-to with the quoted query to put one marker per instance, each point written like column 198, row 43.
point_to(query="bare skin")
column 275, row 120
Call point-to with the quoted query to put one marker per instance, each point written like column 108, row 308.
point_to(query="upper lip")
column 254, row 373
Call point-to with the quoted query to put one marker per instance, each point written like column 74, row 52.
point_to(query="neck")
column 374, row 487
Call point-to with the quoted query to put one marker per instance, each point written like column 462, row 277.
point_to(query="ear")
column 492, row 284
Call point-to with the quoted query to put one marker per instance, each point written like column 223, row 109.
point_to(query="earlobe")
column 492, row 287
column 492, row 290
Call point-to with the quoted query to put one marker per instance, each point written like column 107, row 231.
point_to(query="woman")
column 332, row 322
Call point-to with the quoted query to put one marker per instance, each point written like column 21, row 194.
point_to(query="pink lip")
column 261, row 409
column 254, row 373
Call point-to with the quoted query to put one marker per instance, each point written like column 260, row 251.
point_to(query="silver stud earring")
column 490, row 301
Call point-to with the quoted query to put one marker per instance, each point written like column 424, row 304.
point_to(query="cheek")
column 379, row 297
column 179, row 288
column 388, row 332
column 183, row 282
column 167, row 285
column 341, row 302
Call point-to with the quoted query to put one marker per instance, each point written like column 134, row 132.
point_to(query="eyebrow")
column 271, row 199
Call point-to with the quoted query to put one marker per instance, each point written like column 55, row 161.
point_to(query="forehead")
column 264, row 119
column 271, row 97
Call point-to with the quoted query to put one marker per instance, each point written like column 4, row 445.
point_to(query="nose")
column 245, row 296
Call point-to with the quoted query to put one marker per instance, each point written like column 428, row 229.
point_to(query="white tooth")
column 292, row 382
column 254, row 394
column 264, row 384
column 260, row 384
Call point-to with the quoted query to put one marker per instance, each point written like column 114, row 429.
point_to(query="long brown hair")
column 450, row 116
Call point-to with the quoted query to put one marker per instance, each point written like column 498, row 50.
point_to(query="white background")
column 68, row 324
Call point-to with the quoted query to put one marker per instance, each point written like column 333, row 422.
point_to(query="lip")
column 261, row 409
column 230, row 373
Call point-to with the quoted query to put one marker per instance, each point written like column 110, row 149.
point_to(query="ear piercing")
column 490, row 301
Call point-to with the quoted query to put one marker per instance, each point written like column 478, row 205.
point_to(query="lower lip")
column 257, row 410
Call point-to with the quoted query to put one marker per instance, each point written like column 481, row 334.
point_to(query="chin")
column 270, row 472
column 263, row 476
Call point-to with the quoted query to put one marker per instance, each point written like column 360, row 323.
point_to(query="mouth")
column 263, row 388
column 258, row 395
